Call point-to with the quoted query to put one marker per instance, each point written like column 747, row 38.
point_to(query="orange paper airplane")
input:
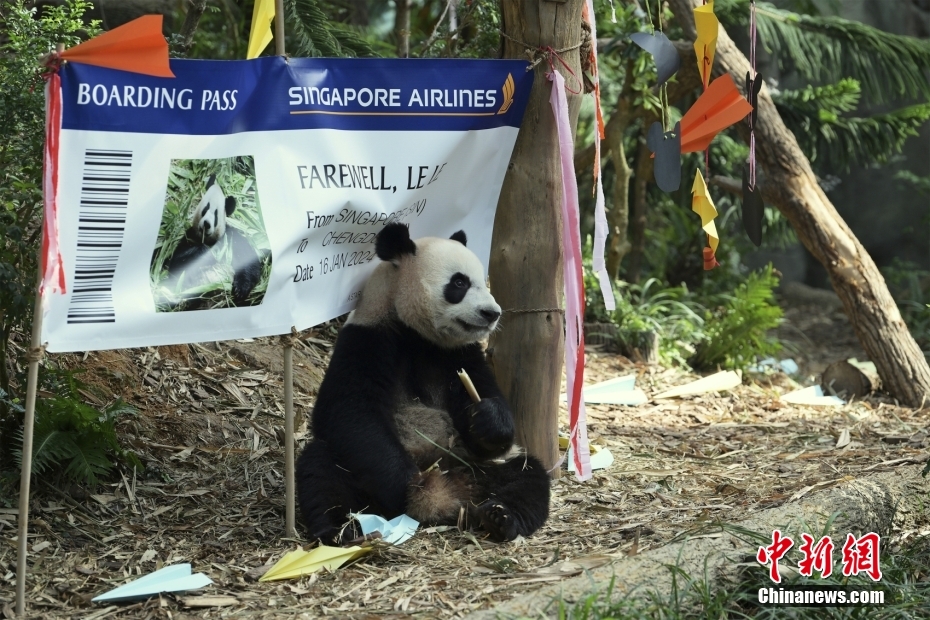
column 720, row 106
column 138, row 46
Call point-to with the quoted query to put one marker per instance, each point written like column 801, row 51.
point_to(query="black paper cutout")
column 752, row 94
column 666, row 56
column 667, row 149
column 753, row 210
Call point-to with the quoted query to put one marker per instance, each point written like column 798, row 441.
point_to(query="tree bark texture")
column 618, row 218
column 402, row 27
column 642, row 176
column 791, row 186
column 526, row 252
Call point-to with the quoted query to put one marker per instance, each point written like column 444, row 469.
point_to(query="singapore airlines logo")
column 346, row 101
column 507, row 89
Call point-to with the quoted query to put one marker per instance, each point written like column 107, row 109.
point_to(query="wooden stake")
column 26, row 474
column 289, row 474
column 279, row 27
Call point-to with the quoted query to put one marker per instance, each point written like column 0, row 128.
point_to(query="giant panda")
column 394, row 430
column 193, row 256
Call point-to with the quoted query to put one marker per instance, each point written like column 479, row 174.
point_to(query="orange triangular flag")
column 138, row 46
column 720, row 106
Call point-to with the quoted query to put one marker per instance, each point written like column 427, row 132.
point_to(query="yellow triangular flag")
column 260, row 34
column 702, row 204
column 706, row 44
column 300, row 562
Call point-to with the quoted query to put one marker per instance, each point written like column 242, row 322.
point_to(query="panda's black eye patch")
column 206, row 208
column 456, row 287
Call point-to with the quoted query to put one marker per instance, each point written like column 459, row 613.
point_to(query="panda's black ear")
column 211, row 181
column 459, row 236
column 230, row 205
column 393, row 241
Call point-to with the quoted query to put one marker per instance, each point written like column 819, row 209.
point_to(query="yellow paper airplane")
column 703, row 205
column 299, row 562
column 706, row 44
column 260, row 33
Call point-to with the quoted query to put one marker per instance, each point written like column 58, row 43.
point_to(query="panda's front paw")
column 490, row 428
column 497, row 520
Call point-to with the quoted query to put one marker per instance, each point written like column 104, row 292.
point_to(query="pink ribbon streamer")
column 53, row 273
column 600, row 213
column 574, row 281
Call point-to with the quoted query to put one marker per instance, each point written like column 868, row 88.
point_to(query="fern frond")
column 316, row 35
column 833, row 141
column 827, row 49
column 50, row 448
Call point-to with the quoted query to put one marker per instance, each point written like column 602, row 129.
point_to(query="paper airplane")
column 812, row 395
column 618, row 391
column 396, row 531
column 705, row 46
column 601, row 458
column 717, row 382
column 299, row 562
column 177, row 578
column 138, row 46
column 720, row 106
column 789, row 367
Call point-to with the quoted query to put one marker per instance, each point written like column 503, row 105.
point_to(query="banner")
column 242, row 198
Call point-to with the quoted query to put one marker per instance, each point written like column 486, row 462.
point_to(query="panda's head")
column 209, row 221
column 435, row 286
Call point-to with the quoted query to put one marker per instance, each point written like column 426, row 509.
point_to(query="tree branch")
column 189, row 28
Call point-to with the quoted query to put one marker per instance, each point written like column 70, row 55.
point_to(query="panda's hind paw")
column 498, row 520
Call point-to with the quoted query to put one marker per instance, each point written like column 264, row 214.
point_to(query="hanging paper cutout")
column 260, row 33
column 600, row 213
column 717, row 108
column 574, row 280
column 753, row 86
column 666, row 148
column 138, row 46
column 666, row 56
column 706, row 44
column 703, row 205
column 753, row 210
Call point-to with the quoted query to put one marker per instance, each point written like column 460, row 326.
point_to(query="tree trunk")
column 526, row 252
column 618, row 218
column 402, row 27
column 642, row 176
column 792, row 187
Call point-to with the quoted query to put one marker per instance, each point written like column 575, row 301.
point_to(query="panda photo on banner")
column 212, row 249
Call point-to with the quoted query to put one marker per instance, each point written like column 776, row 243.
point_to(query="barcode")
column 101, row 225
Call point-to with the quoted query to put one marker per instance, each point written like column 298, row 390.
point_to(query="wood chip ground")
column 212, row 494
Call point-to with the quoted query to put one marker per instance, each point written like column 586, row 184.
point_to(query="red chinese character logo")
column 819, row 556
column 774, row 552
column 861, row 556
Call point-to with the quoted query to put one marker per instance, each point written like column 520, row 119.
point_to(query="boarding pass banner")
column 242, row 198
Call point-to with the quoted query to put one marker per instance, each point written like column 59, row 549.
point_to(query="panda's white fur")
column 410, row 288
column 210, row 215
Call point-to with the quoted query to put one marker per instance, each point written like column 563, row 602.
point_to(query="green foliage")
column 22, row 134
column 317, row 35
column 910, row 287
column 919, row 183
column 827, row 49
column 71, row 436
column 736, row 332
column 830, row 140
